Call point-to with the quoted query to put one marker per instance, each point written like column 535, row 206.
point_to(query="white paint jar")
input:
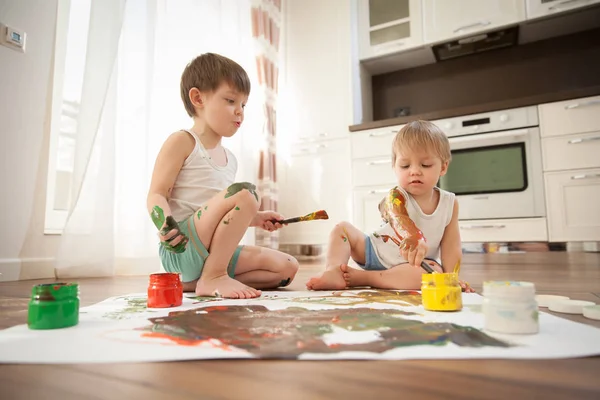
column 510, row 307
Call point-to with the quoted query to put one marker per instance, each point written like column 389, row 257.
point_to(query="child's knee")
column 288, row 269
column 245, row 194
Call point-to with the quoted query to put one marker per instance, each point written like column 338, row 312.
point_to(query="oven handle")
column 493, row 226
column 494, row 135
column 581, row 105
column 567, row 3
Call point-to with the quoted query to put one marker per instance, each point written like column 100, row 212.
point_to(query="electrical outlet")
column 12, row 38
column 402, row 111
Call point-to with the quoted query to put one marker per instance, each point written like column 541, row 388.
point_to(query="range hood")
column 479, row 43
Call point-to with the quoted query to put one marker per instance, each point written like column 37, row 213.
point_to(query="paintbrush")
column 321, row 214
column 427, row 268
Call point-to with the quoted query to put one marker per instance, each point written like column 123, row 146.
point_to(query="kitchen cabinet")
column 388, row 26
column 446, row 20
column 572, row 203
column 316, row 178
column 366, row 207
column 543, row 8
column 570, row 132
column 316, row 98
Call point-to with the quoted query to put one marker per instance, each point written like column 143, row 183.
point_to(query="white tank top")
column 199, row 179
column 432, row 225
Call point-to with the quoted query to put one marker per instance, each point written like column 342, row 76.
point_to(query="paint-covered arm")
column 450, row 246
column 413, row 245
column 168, row 163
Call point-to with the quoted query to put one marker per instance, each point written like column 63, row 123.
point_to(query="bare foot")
column 225, row 286
column 354, row 277
column 330, row 279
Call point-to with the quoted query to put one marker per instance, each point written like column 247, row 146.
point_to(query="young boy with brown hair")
column 201, row 214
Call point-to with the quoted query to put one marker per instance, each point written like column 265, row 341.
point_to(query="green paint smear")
column 158, row 217
column 135, row 305
column 291, row 332
column 239, row 186
column 199, row 214
column 237, row 208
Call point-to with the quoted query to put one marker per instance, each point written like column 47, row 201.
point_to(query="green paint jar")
column 53, row 306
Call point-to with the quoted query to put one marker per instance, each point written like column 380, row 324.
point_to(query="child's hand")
column 264, row 220
column 171, row 237
column 414, row 253
column 466, row 287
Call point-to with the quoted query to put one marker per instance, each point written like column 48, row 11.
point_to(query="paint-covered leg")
column 330, row 279
column 238, row 186
column 345, row 241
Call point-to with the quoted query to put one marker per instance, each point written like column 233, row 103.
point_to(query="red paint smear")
column 183, row 342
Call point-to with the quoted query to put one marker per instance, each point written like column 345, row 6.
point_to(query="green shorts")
column 190, row 263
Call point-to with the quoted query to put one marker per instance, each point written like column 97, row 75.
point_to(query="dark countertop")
column 480, row 108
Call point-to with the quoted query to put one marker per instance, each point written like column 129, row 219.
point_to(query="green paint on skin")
column 169, row 223
column 285, row 282
column 158, row 217
column 135, row 305
column 279, row 334
column 239, row 186
column 344, row 238
column 237, row 208
column 199, row 214
column 228, row 220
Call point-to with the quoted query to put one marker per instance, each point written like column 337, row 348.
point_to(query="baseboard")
column 15, row 269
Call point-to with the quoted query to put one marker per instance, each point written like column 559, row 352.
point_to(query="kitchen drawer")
column 374, row 142
column 572, row 204
column 571, row 116
column 504, row 230
column 571, row 152
column 373, row 171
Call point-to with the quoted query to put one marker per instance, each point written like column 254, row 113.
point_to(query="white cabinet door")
column 315, row 101
column 317, row 178
column 571, row 116
column 388, row 26
column 449, row 19
column 366, row 208
column 542, row 8
column 572, row 201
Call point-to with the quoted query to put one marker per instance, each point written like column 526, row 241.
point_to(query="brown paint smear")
column 291, row 332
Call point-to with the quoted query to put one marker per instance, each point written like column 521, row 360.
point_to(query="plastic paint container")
column 441, row 292
column 53, row 306
column 165, row 290
column 510, row 307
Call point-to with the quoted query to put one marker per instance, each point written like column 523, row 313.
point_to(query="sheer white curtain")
column 130, row 103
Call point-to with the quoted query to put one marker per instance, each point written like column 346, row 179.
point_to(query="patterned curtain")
column 266, row 30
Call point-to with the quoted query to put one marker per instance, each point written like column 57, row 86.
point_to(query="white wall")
column 25, row 252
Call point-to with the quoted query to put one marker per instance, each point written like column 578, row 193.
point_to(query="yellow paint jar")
column 441, row 292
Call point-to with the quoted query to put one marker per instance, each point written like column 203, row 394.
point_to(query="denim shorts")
column 372, row 262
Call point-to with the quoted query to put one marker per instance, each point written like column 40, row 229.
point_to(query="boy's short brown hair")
column 207, row 72
column 422, row 135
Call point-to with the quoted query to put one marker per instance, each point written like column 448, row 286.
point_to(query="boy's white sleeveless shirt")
column 432, row 225
column 199, row 180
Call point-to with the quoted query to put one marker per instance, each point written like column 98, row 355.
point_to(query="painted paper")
column 350, row 324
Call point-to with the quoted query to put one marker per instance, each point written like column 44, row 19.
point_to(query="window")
column 69, row 60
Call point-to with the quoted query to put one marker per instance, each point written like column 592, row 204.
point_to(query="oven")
column 496, row 168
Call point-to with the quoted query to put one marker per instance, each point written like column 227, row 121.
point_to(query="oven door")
column 497, row 175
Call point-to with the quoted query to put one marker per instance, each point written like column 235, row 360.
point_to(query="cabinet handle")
column 476, row 24
column 581, row 140
column 378, row 162
column 585, row 176
column 380, row 134
column 322, row 134
column 567, row 3
column 581, row 105
column 378, row 191
column 494, row 226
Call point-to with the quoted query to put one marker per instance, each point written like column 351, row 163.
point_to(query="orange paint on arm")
column 397, row 215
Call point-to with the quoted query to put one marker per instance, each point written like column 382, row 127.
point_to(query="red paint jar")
column 165, row 290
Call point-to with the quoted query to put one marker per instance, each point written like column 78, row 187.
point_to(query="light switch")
column 13, row 38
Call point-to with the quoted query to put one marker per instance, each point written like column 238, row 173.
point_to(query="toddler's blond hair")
column 421, row 135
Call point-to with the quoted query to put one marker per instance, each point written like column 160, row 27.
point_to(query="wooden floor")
column 576, row 275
